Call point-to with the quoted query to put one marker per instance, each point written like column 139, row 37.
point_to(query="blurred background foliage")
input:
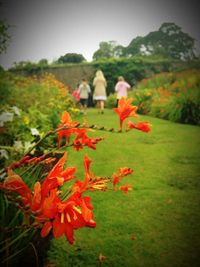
column 174, row 96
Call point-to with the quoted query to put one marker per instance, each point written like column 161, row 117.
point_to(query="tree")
column 71, row 58
column 177, row 43
column 104, row 51
column 108, row 50
column 4, row 36
column 168, row 41
column 134, row 47
column 118, row 51
column 43, row 62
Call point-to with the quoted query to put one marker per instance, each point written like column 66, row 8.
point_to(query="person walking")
column 76, row 95
column 84, row 91
column 121, row 88
column 99, row 94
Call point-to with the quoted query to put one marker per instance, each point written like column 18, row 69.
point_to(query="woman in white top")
column 100, row 95
column 84, row 91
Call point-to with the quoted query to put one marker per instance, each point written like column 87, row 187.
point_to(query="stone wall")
column 134, row 71
column 72, row 75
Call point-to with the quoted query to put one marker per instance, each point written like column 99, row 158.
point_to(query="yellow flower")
column 26, row 120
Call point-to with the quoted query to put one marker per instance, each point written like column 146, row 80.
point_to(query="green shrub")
column 174, row 96
column 185, row 108
column 40, row 102
column 111, row 101
column 5, row 87
column 31, row 107
column 142, row 99
column 133, row 69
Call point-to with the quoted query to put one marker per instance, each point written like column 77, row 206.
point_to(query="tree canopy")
column 108, row 50
column 169, row 41
column 71, row 58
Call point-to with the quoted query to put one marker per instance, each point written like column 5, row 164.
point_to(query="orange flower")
column 62, row 217
column 46, row 229
column 116, row 180
column 19, row 163
column 66, row 122
column 122, row 172
column 57, row 176
column 28, row 160
column 82, row 186
column 49, row 206
column 36, row 198
column 125, row 188
column 142, row 126
column 14, row 183
column 125, row 110
column 99, row 183
column 83, row 140
column 72, row 214
column 90, row 181
column 65, row 217
column 101, row 258
column 125, row 171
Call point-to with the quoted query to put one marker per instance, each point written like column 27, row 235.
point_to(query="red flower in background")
column 125, row 171
column 142, row 126
column 83, row 140
column 101, row 258
column 125, row 188
column 116, row 177
column 125, row 109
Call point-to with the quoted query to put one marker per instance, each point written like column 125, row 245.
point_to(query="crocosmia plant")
column 44, row 205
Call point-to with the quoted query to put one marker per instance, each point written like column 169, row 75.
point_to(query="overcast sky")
column 51, row 28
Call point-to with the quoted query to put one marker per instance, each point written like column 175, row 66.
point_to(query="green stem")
column 15, row 240
column 36, row 144
column 93, row 126
column 13, row 255
column 36, row 254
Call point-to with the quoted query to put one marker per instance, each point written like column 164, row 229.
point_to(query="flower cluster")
column 126, row 110
column 44, row 206
column 67, row 127
column 47, row 208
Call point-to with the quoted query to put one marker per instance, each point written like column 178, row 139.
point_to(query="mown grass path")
column 158, row 223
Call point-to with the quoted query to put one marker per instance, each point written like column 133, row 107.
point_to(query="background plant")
column 170, row 95
column 38, row 102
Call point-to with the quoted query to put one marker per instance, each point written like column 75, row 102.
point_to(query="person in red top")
column 75, row 95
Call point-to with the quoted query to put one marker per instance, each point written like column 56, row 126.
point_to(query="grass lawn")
column 158, row 223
